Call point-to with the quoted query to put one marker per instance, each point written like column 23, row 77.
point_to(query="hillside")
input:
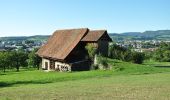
column 20, row 38
column 125, row 81
column 147, row 35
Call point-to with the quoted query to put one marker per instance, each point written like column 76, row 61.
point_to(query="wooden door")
column 46, row 65
column 52, row 64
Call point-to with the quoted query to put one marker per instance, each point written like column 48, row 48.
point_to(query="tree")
column 19, row 58
column 158, row 55
column 166, row 56
column 2, row 61
column 11, row 59
column 91, row 51
column 5, row 59
column 163, row 52
column 118, row 52
column 138, row 57
column 34, row 60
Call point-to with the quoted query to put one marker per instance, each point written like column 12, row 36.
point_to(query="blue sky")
column 32, row 17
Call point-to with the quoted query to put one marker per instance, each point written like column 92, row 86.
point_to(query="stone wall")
column 63, row 67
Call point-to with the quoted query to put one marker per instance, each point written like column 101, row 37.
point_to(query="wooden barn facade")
column 65, row 49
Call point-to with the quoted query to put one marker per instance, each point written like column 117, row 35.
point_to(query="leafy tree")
column 125, row 54
column 138, row 57
column 91, row 51
column 19, row 58
column 34, row 60
column 118, row 52
column 149, row 55
column 128, row 55
column 2, row 61
column 5, row 60
column 158, row 55
column 13, row 59
column 163, row 52
column 166, row 56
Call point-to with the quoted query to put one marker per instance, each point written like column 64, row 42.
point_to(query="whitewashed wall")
column 43, row 63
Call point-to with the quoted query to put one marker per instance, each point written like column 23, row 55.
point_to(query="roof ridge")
column 99, row 30
column 71, row 29
column 94, row 35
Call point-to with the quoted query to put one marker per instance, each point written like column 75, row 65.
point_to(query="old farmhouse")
column 65, row 49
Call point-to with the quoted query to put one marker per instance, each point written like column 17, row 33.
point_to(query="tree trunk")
column 4, row 69
column 38, row 67
column 17, row 68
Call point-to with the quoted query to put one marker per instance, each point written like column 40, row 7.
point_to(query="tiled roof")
column 95, row 35
column 62, row 42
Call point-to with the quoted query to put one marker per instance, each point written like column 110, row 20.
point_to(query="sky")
column 43, row 17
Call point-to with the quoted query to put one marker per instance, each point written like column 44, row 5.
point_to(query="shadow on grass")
column 162, row 66
column 155, row 65
column 5, row 84
column 44, row 81
column 2, row 74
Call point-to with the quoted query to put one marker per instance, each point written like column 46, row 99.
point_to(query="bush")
column 94, row 67
column 162, row 53
column 166, row 56
column 102, row 62
column 120, row 53
column 138, row 57
column 91, row 51
column 33, row 59
column 125, row 54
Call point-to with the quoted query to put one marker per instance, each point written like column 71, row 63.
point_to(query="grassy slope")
column 127, row 81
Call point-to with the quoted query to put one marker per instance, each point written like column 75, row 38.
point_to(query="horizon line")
column 108, row 33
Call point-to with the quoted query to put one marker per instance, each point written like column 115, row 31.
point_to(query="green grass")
column 41, row 77
column 126, row 81
column 145, row 68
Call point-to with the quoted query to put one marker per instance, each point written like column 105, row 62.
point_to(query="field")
column 126, row 81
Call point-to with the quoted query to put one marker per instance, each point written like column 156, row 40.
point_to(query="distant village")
column 26, row 45
column 141, row 45
column 29, row 45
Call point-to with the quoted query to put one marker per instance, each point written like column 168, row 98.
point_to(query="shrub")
column 94, row 67
column 102, row 62
column 120, row 53
column 91, row 51
column 138, row 57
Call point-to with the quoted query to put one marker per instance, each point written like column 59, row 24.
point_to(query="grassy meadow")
column 126, row 81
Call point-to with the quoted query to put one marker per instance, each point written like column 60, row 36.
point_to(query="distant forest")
column 163, row 35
